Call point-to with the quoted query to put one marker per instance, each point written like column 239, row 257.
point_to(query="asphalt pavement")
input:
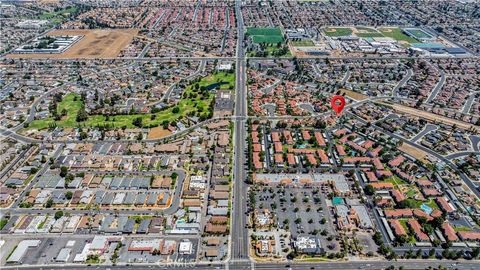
column 239, row 232
column 379, row 264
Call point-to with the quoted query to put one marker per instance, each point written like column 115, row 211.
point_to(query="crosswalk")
column 240, row 264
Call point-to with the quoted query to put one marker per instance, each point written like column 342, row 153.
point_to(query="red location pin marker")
column 338, row 103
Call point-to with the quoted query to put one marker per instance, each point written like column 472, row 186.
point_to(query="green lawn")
column 432, row 204
column 419, row 33
column 462, row 229
column 268, row 31
column 272, row 51
column 61, row 12
column 411, row 193
column 366, row 29
column 414, row 202
column 71, row 103
column 337, row 31
column 397, row 34
column 193, row 102
column 303, row 43
column 267, row 39
column 411, row 238
column 265, row 35
column 3, row 222
column 58, row 16
column 395, row 180
column 367, row 35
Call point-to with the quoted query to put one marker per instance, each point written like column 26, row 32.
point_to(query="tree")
column 137, row 122
column 33, row 170
column 165, row 124
column 63, row 171
column 49, row 203
column 475, row 252
column 369, row 190
column 407, row 204
column 68, row 195
column 58, row 214
column 83, row 135
column 81, row 115
column 377, row 238
column 176, row 110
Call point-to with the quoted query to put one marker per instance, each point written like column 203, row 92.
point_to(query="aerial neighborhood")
column 205, row 134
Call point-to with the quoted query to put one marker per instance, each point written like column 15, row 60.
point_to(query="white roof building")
column 224, row 66
column 22, row 249
column 72, row 224
column 63, row 255
column 185, row 247
column 81, row 257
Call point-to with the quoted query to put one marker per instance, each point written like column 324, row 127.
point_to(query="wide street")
column 239, row 232
column 289, row 109
column 410, row 264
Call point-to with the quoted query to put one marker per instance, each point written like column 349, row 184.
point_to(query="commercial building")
column 185, row 247
column 21, row 250
column 308, row 244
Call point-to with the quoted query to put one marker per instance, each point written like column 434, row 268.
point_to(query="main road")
column 380, row 264
column 239, row 232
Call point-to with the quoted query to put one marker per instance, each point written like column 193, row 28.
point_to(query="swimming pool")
column 426, row 208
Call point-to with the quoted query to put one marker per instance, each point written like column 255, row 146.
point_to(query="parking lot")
column 301, row 211
column 48, row 249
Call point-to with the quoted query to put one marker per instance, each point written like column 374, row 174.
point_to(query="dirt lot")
column 158, row 132
column 96, row 43
column 353, row 94
column 414, row 152
column 430, row 116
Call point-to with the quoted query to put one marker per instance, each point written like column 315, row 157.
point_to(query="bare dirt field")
column 158, row 132
column 430, row 116
column 414, row 152
column 96, row 43
column 353, row 94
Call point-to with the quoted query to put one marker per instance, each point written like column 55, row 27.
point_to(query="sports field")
column 338, row 31
column 397, row 34
column 303, row 43
column 366, row 29
column 369, row 34
column 265, row 35
column 418, row 33
column 96, row 43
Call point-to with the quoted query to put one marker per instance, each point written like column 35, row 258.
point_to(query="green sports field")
column 418, row 33
column 337, row 31
column 367, row 35
column 303, row 43
column 265, row 35
column 366, row 29
column 397, row 34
